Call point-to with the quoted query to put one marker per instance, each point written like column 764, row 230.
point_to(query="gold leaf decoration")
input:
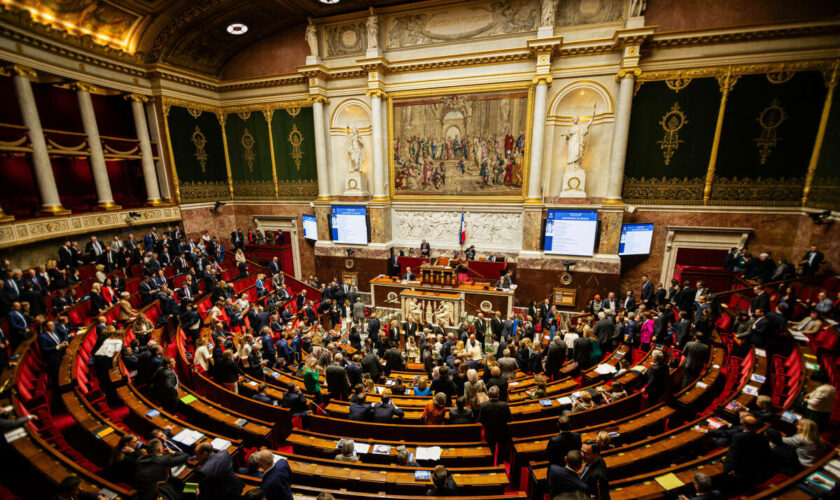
column 758, row 191
column 770, row 119
column 296, row 139
column 780, row 77
column 665, row 191
column 204, row 191
column 194, row 112
column 244, row 115
column 293, row 111
column 199, row 141
column 677, row 84
column 253, row 190
column 248, row 142
column 825, row 193
column 671, row 123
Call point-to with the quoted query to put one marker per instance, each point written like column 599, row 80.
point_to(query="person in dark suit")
column 360, row 410
column 65, row 256
column 506, row 280
column 336, row 378
column 261, row 396
column 274, row 266
column 767, row 328
column 216, row 475
column 583, row 350
column 145, row 290
column 480, row 328
column 594, row 472
column 443, row 483
column 744, row 464
column 408, row 276
column 393, row 361
column 704, row 489
column 152, row 476
column 811, row 261
column 94, row 249
column 647, row 291
column 371, row 366
column 760, row 301
column 494, row 415
column 385, row 411
column 53, row 345
column 165, row 385
column 425, row 249
column 628, row 304
column 277, row 476
column 561, row 444
column 497, row 325
column 657, row 378
column 410, row 327
column 565, row 479
column 555, row 358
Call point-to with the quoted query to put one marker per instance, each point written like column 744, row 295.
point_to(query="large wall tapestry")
column 461, row 144
column 249, row 152
column 462, row 22
column 293, row 135
column 195, row 138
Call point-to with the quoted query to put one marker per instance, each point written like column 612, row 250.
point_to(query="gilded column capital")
column 319, row 98
column 268, row 113
column 542, row 79
column 26, row 71
column 84, row 87
column 376, row 93
column 632, row 72
column 136, row 98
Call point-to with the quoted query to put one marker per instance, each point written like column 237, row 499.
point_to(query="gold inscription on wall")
column 296, row 139
column 671, row 123
column 248, row 143
column 199, row 141
column 770, row 119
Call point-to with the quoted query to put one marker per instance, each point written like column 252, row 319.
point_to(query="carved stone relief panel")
column 345, row 39
column 488, row 230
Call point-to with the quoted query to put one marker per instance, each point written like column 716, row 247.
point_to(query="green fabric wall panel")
column 671, row 134
column 196, row 140
column 250, row 155
column 293, row 133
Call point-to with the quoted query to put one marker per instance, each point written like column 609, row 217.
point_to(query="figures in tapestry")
column 471, row 144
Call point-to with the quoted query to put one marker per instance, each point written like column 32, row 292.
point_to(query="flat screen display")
column 635, row 239
column 348, row 224
column 310, row 227
column 571, row 232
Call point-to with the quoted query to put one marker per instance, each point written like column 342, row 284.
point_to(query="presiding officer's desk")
column 385, row 292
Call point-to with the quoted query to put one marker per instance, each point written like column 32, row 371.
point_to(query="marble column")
column 97, row 156
column 618, row 154
column 321, row 147
column 537, row 138
column 138, row 109
column 378, row 163
column 50, row 201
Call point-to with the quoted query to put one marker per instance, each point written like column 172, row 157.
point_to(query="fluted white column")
column 50, row 201
column 621, row 133
column 321, row 147
column 147, row 158
column 537, row 139
column 378, row 157
column 97, row 156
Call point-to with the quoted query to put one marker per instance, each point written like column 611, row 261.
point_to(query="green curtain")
column 671, row 134
column 196, row 139
column 825, row 188
column 293, row 133
column 250, row 155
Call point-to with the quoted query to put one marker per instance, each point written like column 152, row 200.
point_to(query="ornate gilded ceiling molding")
column 301, row 103
column 176, row 23
column 173, row 101
column 669, row 40
column 736, row 70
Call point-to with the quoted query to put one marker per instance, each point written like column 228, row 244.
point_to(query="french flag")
column 463, row 234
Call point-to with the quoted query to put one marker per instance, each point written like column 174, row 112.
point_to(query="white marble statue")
column 372, row 31
column 446, row 312
column 637, row 8
column 547, row 13
column 312, row 38
column 576, row 138
column 355, row 150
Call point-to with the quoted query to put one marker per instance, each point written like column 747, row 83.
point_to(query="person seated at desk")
column 262, row 397
column 385, row 411
column 408, row 276
column 347, row 452
column 360, row 410
column 402, row 459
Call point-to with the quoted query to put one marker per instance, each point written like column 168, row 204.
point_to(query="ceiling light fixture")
column 329, row 2
column 237, row 29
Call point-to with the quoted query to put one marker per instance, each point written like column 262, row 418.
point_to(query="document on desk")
column 751, row 390
column 188, row 437
column 428, row 453
column 219, row 444
column 669, row 481
column 361, row 447
column 605, row 369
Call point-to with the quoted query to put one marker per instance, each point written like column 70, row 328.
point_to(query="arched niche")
column 348, row 114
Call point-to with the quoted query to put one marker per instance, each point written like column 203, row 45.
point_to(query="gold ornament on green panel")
column 671, row 123
column 293, row 111
column 296, row 139
column 199, row 141
column 770, row 119
column 248, row 142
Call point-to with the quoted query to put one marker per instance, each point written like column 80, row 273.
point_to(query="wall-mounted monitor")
column 310, row 227
column 635, row 239
column 571, row 232
column 349, row 224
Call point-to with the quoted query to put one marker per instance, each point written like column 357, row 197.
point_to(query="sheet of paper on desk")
column 381, row 449
column 422, row 475
column 605, row 369
column 761, row 352
column 565, row 400
column 361, row 447
column 14, row 435
column 428, row 453
column 758, row 378
column 751, row 390
column 188, row 437
column 220, row 444
column 702, row 385
column 669, row 481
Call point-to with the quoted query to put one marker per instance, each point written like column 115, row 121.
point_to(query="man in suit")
column 425, row 249
column 152, row 473
column 65, row 256
column 683, row 330
column 371, row 366
column 148, row 242
column 565, row 479
column 695, row 355
column 629, row 302
column 594, row 472
column 94, row 249
column 11, row 286
column 603, row 330
column 760, row 301
column 336, row 378
column 110, row 259
column 145, row 289
column 277, row 476
column 561, row 444
column 165, row 385
column 506, row 280
column 767, row 328
column 744, row 462
column 497, row 325
column 494, row 415
column 610, row 305
column 360, row 410
column 53, row 345
column 811, row 261
column 410, row 327
column 274, row 266
column 480, row 328
column 393, row 361
column 555, row 358
column 408, row 276
column 216, row 475
column 373, row 329
column 647, row 291
column 809, row 325
column 132, row 249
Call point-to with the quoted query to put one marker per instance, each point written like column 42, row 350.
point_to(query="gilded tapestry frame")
column 465, row 89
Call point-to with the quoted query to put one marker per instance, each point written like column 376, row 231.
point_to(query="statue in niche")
column 637, row 8
column 547, row 13
column 312, row 37
column 576, row 138
column 372, row 31
column 355, row 150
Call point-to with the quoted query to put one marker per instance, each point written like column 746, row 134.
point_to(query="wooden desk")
column 385, row 292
